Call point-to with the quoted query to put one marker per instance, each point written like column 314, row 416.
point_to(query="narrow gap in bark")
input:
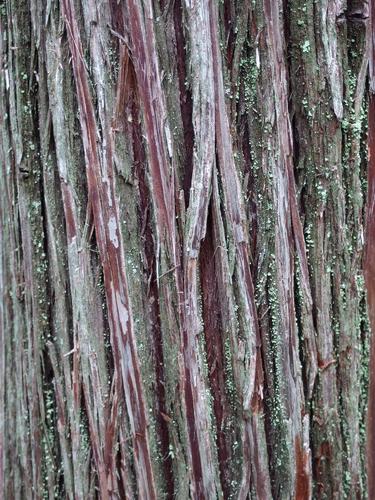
column 186, row 103
column 250, row 194
column 52, row 147
column 47, row 369
column 45, row 319
column 266, row 333
column 18, row 237
column 229, row 31
column 152, row 297
column 110, row 362
column 296, row 153
column 85, row 430
column 119, row 460
column 266, row 397
column 296, row 180
column 116, row 17
column 221, row 198
column 287, row 16
column 215, row 356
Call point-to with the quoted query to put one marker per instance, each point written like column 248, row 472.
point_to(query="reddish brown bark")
column 182, row 201
column 107, row 227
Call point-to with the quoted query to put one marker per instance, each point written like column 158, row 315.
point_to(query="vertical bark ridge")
column 33, row 270
column 148, row 79
column 105, row 214
column 215, row 345
column 350, row 275
column 201, row 61
column 89, row 346
column 153, row 297
column 236, row 220
column 166, row 261
column 369, row 261
column 288, row 219
column 201, row 460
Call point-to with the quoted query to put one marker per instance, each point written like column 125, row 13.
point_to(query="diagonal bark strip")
column 250, row 383
column 105, row 211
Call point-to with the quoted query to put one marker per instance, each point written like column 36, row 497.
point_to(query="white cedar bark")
column 182, row 199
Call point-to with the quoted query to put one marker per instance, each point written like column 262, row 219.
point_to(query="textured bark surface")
column 183, row 219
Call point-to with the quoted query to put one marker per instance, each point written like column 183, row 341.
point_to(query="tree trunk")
column 183, row 311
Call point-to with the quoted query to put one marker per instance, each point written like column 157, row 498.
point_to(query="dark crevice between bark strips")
column 47, row 148
column 47, row 364
column 301, row 457
column 251, row 387
column 214, row 341
column 306, row 349
column 199, row 448
column 27, row 168
column 185, row 98
column 152, row 294
column 250, row 194
column 229, row 34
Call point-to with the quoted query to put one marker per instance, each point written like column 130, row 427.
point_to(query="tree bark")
column 183, row 221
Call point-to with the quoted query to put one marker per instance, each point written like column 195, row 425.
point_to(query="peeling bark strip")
column 370, row 283
column 3, row 207
column 105, row 212
column 369, row 260
column 156, row 124
column 285, row 140
column 86, row 310
column 186, row 317
column 200, row 456
column 288, row 221
column 203, row 118
column 154, row 309
column 247, row 376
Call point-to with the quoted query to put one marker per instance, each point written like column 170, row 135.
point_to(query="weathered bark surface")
column 182, row 216
column 369, row 258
